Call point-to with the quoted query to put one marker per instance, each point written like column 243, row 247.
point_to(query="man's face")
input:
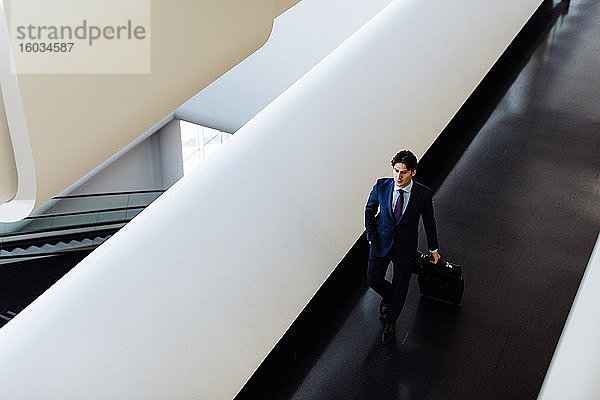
column 402, row 176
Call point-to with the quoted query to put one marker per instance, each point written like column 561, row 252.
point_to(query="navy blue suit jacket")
column 383, row 231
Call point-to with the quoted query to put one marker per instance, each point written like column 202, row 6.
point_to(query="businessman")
column 393, row 235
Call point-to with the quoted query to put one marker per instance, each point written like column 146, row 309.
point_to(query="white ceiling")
column 301, row 37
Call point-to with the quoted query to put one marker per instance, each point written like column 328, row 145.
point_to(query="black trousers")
column 393, row 293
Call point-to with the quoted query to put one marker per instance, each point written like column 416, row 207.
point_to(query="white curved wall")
column 154, row 163
column 18, row 167
column 301, row 38
column 8, row 169
column 188, row 299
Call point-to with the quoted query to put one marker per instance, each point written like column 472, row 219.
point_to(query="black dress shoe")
column 384, row 309
column 388, row 334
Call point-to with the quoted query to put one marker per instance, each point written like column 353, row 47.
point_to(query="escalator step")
column 18, row 250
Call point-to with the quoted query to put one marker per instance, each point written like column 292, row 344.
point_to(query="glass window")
column 198, row 142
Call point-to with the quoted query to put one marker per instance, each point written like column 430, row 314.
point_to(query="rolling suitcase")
column 442, row 281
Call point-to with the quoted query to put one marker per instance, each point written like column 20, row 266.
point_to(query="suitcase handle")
column 441, row 262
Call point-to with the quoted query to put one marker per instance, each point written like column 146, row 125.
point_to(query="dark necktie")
column 399, row 205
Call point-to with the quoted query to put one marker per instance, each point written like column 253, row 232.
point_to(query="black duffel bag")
column 443, row 280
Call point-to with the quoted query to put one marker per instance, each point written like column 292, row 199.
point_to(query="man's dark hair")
column 407, row 158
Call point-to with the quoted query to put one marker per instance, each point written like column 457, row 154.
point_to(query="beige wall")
column 76, row 121
column 282, row 6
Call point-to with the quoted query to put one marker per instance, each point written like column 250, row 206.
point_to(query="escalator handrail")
column 65, row 214
column 73, row 196
column 81, row 225
column 64, row 228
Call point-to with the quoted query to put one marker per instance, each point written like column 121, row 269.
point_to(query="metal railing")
column 74, row 215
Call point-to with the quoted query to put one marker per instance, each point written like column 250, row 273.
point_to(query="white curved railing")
column 8, row 169
column 16, row 170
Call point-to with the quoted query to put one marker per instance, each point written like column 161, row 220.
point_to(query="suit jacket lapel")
column 414, row 193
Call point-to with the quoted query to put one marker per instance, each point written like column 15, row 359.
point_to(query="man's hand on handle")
column 436, row 257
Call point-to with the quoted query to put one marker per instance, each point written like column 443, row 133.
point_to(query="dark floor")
column 518, row 208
